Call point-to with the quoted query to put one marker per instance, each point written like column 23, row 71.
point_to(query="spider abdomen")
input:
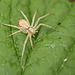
column 23, row 23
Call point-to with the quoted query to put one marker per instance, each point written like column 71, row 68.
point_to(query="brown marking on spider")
column 25, row 27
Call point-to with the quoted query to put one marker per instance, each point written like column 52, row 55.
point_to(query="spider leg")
column 33, row 18
column 24, row 49
column 14, row 33
column 24, row 16
column 31, row 42
column 10, row 25
column 44, row 25
column 39, row 19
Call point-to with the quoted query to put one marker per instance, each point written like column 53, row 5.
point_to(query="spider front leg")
column 44, row 25
column 39, row 19
column 33, row 18
column 24, row 16
column 24, row 49
column 10, row 25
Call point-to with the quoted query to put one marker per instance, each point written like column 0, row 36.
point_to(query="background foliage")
column 54, row 51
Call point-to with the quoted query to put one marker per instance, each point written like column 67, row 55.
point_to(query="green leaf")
column 54, row 52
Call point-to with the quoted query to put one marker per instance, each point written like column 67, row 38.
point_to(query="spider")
column 25, row 27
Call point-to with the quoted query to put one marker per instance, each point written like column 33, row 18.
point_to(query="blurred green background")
column 54, row 52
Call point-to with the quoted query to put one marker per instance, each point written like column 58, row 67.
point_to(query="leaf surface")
column 54, row 51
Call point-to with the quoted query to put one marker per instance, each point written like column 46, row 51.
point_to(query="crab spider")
column 25, row 27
